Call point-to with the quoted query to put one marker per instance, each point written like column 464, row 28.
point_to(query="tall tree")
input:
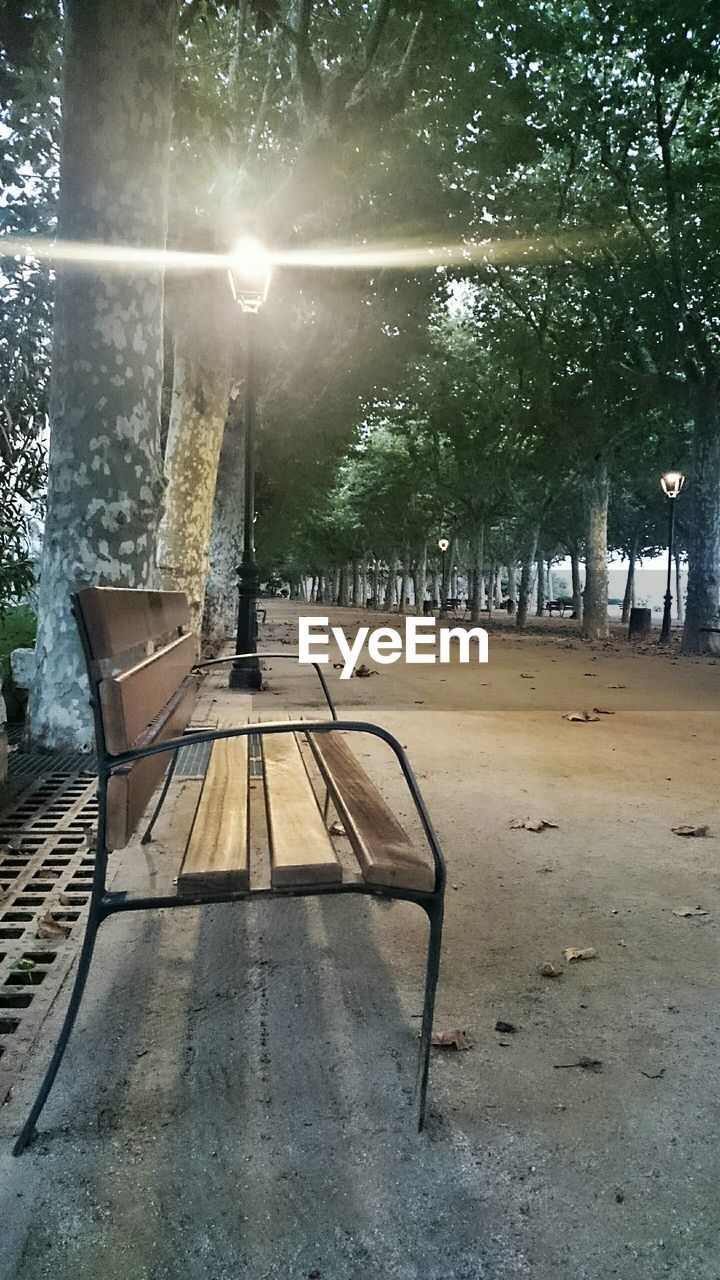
column 105, row 482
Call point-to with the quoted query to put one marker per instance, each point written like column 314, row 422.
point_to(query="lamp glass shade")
column 443, row 543
column 249, row 271
column 672, row 482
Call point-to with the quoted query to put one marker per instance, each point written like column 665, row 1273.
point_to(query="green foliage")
column 29, row 120
column 17, row 631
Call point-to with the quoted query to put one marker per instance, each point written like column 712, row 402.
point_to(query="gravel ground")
column 237, row 1098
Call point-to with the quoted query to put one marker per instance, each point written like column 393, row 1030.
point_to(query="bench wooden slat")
column 301, row 850
column 216, row 856
column 117, row 619
column 132, row 699
column 130, row 789
column 385, row 852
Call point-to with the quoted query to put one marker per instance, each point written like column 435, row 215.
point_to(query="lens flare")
column 256, row 261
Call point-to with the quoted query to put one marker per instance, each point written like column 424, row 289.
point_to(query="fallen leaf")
column 531, row 824
column 362, row 671
column 691, row 831
column 49, row 927
column 617, row 686
column 572, row 954
column 337, row 830
column 26, row 966
column 338, row 666
column 506, row 1028
column 601, row 711
column 684, row 912
column 580, row 717
column 525, row 676
column 451, row 1040
column 592, row 674
column 548, row 970
column 65, row 900
column 585, row 1064
column 657, row 1076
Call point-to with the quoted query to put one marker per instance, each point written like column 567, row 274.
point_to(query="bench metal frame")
column 104, row 904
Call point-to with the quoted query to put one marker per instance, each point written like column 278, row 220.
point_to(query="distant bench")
column 559, row 606
column 144, row 676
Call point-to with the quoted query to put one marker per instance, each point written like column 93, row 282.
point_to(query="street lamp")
column 443, row 544
column 249, row 270
column 671, row 483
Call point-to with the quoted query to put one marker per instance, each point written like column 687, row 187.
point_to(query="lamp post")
column 671, row 483
column 443, row 544
column 249, row 272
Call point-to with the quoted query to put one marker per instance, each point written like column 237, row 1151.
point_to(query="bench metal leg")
column 147, row 834
column 28, row 1131
column 435, row 915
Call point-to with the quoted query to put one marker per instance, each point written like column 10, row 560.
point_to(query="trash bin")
column 640, row 624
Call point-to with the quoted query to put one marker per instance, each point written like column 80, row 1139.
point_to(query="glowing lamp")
column 443, row 544
column 672, row 482
column 249, row 271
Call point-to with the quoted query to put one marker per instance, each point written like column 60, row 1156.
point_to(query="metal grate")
column 46, row 867
column 193, row 761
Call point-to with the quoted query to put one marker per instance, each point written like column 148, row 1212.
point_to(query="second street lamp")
column 249, row 271
column 671, row 482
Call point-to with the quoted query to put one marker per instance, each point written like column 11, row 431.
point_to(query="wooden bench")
column 142, row 663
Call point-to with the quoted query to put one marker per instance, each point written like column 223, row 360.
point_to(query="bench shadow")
column 257, row 1063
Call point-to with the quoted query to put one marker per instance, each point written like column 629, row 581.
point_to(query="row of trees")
column 521, row 398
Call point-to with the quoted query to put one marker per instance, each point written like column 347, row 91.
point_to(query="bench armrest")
column 214, row 662
column 304, row 726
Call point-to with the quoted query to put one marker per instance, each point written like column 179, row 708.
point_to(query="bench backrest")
column 140, row 654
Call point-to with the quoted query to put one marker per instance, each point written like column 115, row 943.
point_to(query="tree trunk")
column 512, row 586
column 336, row 579
column 577, row 595
column 476, row 575
column 225, row 549
column 549, row 581
column 421, row 579
column 198, row 412
column 405, row 586
column 679, row 607
column 629, row 597
column 357, row 586
column 436, row 588
column 104, row 477
column 526, row 579
column 540, row 585
column 595, row 624
column 702, row 607
column 390, row 585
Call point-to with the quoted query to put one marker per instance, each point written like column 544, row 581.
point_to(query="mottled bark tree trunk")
column 702, row 608
column 629, row 596
column 198, row 411
column 390, row 585
column 356, row 585
column 224, row 552
column 421, row 579
column 405, row 585
column 512, row 586
column 540, row 602
column 436, row 588
column 577, row 595
column 526, row 579
column 104, row 480
column 476, row 576
column 595, row 625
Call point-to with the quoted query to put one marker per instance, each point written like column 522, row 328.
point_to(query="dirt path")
column 237, row 1099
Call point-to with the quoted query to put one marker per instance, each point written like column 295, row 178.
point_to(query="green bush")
column 17, row 631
